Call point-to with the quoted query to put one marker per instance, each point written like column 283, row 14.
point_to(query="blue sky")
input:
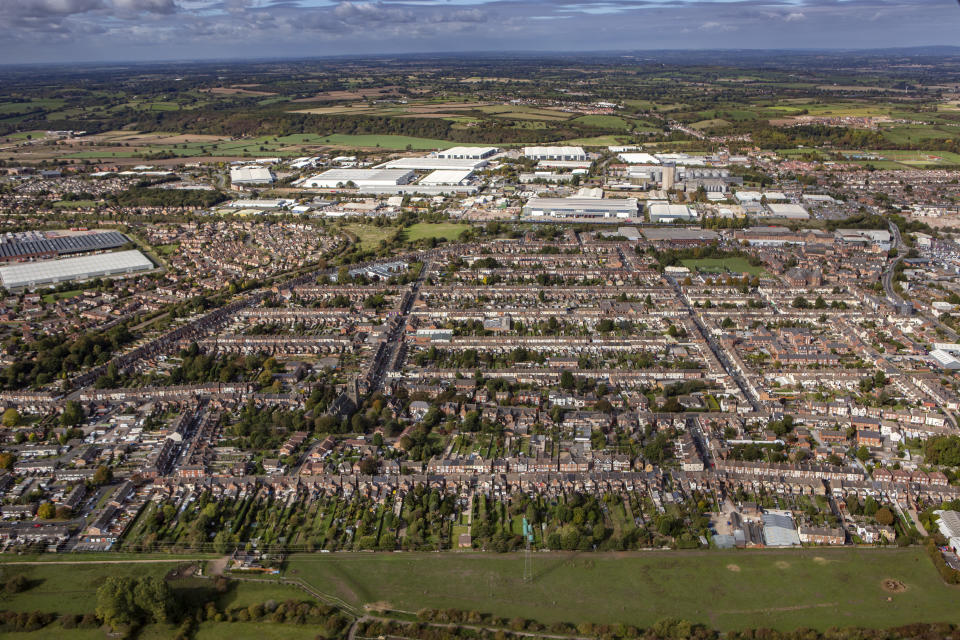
column 143, row 30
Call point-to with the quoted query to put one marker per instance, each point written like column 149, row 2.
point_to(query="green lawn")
column 75, row 204
column 723, row 265
column 725, row 590
column 70, row 589
column 62, row 295
column 606, row 122
column 447, row 230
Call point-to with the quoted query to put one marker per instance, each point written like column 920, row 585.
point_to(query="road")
column 715, row 348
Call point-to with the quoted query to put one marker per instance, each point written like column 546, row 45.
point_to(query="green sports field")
column 723, row 265
column 446, row 230
column 816, row 588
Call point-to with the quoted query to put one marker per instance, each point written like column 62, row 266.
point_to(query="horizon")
column 112, row 31
column 910, row 50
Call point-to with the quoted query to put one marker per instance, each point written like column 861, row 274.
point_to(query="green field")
column 61, row 295
column 369, row 236
column 726, row 590
column 446, row 230
column 75, row 204
column 723, row 265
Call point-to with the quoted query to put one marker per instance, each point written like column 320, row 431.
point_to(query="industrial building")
column 576, row 154
column 34, row 274
column 250, row 175
column 879, row 237
column 789, row 211
column 49, row 244
column 586, row 209
column 447, row 177
column 638, row 158
column 682, row 236
column 467, row 153
column 756, row 196
column 665, row 213
column 434, row 164
column 360, row 178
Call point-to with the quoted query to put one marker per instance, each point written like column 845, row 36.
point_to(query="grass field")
column 369, row 236
column 447, row 230
column 725, row 590
column 75, row 204
column 723, row 265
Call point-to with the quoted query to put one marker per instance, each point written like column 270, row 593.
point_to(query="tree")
column 863, row 454
column 11, row 417
column 369, row 466
column 47, row 511
column 6, row 460
column 884, row 516
column 103, row 475
column 566, row 380
column 800, row 303
column 72, row 414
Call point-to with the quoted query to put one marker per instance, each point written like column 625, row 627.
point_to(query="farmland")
column 725, row 590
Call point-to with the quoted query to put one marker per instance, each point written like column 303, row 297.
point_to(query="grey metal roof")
column 63, row 245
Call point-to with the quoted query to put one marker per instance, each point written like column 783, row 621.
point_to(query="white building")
column 556, row 153
column 251, row 174
column 582, row 208
column 361, row 178
column 447, row 177
column 467, row 153
column 434, row 164
column 663, row 212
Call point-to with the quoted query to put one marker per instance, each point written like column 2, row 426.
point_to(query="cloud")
column 52, row 30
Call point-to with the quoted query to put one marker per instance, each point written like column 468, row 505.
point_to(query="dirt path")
column 216, row 567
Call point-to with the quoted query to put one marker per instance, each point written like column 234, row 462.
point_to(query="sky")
column 66, row 31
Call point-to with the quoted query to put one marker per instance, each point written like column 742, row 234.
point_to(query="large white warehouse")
column 34, row 274
column 253, row 174
column 434, row 164
column 467, row 153
column 361, row 178
column 556, row 153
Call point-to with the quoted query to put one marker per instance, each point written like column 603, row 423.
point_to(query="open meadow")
column 726, row 590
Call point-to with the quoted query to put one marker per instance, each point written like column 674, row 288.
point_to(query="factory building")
column 45, row 272
column 467, row 153
column 49, row 244
column 576, row 154
column 447, row 177
column 251, row 175
column 585, row 209
column 360, row 178
column 434, row 164
column 786, row 210
column 664, row 213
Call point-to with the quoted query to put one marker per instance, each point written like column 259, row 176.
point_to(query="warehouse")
column 680, row 237
column 789, row 211
column 360, row 178
column 251, row 174
column 583, row 208
column 669, row 213
column 467, row 153
column 556, row 153
column 638, row 158
column 447, row 177
column 34, row 274
column 434, row 164
column 37, row 244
